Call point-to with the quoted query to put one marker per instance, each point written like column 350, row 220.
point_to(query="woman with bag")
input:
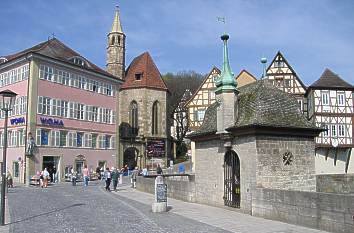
column 45, row 177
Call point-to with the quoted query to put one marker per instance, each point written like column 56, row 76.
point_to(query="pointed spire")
column 226, row 81
column 264, row 62
column 116, row 26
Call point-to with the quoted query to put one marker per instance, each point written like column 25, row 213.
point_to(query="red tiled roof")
column 54, row 48
column 151, row 77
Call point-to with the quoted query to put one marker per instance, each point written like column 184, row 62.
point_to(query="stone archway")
column 232, row 180
column 130, row 157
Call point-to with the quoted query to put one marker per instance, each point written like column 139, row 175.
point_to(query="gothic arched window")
column 112, row 40
column 118, row 40
column 155, row 118
column 133, row 117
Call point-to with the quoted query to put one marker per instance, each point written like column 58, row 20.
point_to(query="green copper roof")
column 226, row 81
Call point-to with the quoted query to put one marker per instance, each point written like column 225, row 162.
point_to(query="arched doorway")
column 130, row 157
column 232, row 189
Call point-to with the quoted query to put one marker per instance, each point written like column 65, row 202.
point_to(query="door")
column 232, row 189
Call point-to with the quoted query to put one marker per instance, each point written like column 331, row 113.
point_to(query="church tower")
column 116, row 48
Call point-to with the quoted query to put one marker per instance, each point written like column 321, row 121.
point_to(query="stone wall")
column 335, row 183
column 178, row 187
column 325, row 211
column 272, row 170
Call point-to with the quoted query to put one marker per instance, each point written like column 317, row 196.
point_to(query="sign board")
column 17, row 121
column 51, row 121
column 161, row 192
column 156, row 148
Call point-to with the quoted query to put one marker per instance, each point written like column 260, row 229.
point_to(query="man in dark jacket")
column 115, row 176
column 159, row 170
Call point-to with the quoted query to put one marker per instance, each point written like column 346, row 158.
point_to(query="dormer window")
column 3, row 60
column 78, row 61
column 138, row 76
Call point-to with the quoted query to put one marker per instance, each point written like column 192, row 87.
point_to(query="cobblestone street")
column 65, row 208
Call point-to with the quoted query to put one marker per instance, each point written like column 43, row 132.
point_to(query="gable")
column 283, row 76
column 244, row 78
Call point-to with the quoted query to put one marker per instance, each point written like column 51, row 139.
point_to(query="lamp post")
column 7, row 102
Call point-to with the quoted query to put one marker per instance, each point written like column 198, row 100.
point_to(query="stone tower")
column 116, row 48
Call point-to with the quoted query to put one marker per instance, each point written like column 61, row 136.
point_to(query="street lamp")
column 7, row 102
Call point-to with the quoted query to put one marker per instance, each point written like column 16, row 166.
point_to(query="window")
column 12, row 138
column 71, row 110
column 80, row 112
column 102, row 141
column 64, row 108
column 46, row 72
column 278, row 64
column 1, row 139
column 340, row 99
column 325, row 133
column 334, row 131
column 300, row 104
column 63, row 135
column 79, row 139
column 200, row 115
column 287, row 83
column 138, row 76
column 94, row 140
column 56, row 107
column 43, row 105
column 325, row 98
column 87, row 140
column 42, row 137
column 95, row 114
column 107, row 143
column 21, row 137
column 72, row 139
column 55, row 138
column 133, row 118
column 16, row 169
column 341, row 130
column 113, row 142
column 155, row 118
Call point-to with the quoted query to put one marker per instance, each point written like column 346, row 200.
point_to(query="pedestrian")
column 102, row 174
column 98, row 173
column 159, row 170
column 45, row 177
column 54, row 180
column 107, row 176
column 40, row 178
column 9, row 180
column 135, row 173
column 73, row 177
column 86, row 175
column 115, row 176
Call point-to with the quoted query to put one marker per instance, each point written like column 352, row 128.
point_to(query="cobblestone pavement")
column 65, row 208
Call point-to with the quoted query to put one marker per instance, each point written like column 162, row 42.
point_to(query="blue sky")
column 185, row 35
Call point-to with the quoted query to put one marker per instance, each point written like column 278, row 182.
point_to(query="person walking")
column 45, row 177
column 107, row 176
column 98, row 173
column 159, row 170
column 135, row 174
column 54, row 174
column 115, row 176
column 73, row 177
column 86, row 175
column 9, row 180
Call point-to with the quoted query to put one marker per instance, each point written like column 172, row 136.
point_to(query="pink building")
column 68, row 105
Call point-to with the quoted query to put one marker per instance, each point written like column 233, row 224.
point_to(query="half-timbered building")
column 205, row 96
column 330, row 105
column 284, row 77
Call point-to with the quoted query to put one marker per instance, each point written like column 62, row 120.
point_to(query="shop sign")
column 156, row 148
column 51, row 121
column 17, row 121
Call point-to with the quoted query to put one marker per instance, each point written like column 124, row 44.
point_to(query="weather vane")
column 222, row 20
